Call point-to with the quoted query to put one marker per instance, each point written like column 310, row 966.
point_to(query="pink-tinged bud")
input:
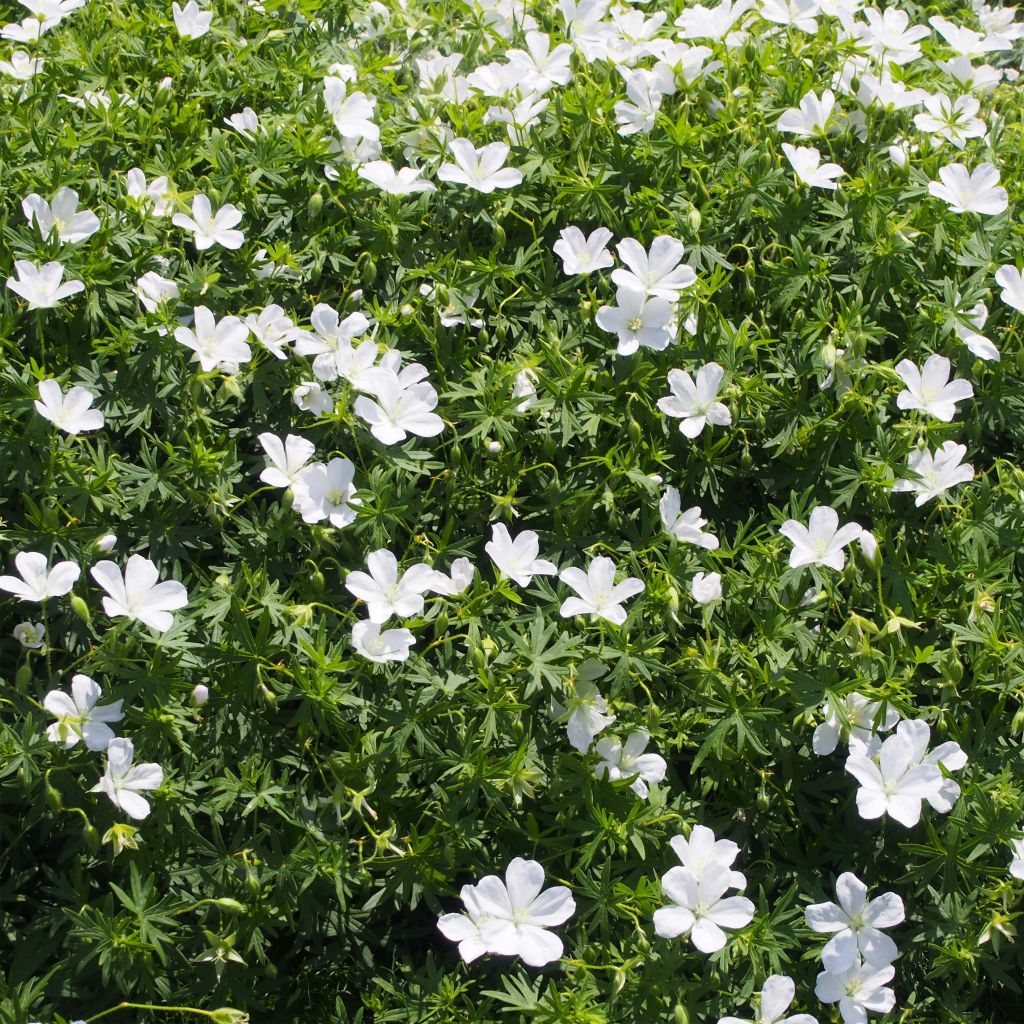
column 200, row 695
column 107, row 542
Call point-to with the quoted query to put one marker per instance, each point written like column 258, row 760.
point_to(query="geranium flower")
column 330, row 333
column 209, row 228
column 155, row 196
column 858, row 990
column 976, row 191
column 696, row 404
column 700, row 22
column 583, row 254
column 152, row 290
column 953, row 120
column 525, row 387
column 405, row 181
column 71, row 412
column 967, row 326
column 288, row 460
column 539, row 64
column 854, row 923
column 930, row 389
column 777, row 994
column 481, row 169
column 706, row 587
column 1010, row 279
column 585, row 712
column 397, row 411
column 512, row 918
column 659, row 273
column 821, row 542
column 81, row 716
column 935, row 474
column 687, row 527
column 380, row 646
column 38, row 581
column 812, row 117
column 599, row 595
column 639, row 114
column 857, row 722
column 123, row 782
column 215, row 344
column 637, row 320
column 517, row 558
column 806, row 163
column 623, row 760
column 311, row 397
column 41, row 286
column 387, row 593
column 1017, row 861
column 456, row 580
column 60, row 215
column 326, row 491
column 701, row 850
column 274, row 329
column 30, row 635
column 137, row 594
column 246, row 122
column 700, row 908
column 798, row 14
column 21, row 66
column 352, row 112
column 191, row 21
column 965, row 41
column 887, row 35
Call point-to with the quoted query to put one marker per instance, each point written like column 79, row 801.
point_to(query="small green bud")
column 52, row 798
column 81, row 609
column 91, row 837
column 226, row 1015
column 23, row 676
column 314, row 205
column 227, row 903
column 680, row 1015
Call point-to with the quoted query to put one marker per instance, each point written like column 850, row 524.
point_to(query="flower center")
column 635, row 324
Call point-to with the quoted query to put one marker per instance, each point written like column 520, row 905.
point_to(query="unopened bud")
column 869, row 549
column 107, row 542
column 200, row 695
column 81, row 609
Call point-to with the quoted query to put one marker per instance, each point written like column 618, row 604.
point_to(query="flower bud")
column 200, row 695
column 679, row 1014
column 494, row 447
column 91, row 837
column 107, row 542
column 81, row 609
column 227, row 1015
column 869, row 549
column 23, row 676
column 52, row 798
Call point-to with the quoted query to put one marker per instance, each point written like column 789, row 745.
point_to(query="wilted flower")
column 30, row 634
column 311, row 397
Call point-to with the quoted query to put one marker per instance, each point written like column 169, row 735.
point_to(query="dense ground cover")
column 295, row 358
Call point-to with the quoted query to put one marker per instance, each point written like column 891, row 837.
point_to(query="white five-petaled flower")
column 857, row 990
column 930, row 390
column 287, row 460
column 273, row 328
column 585, row 712
column 379, row 645
column 807, row 165
column 152, row 289
column 953, row 120
column 456, row 580
column 700, row 850
column 123, row 782
column 387, row 593
column 246, row 122
column 857, row 722
column 137, row 594
column 967, row 326
column 397, row 410
column 700, row 908
column 511, row 917
column 481, row 169
column 976, row 191
column 777, row 994
column 687, row 527
column 638, row 320
column 821, row 542
column 936, row 473
column 706, row 587
column 81, row 716
column 38, row 581
column 191, row 21
column 812, row 117
column 215, row 344
column 41, row 286
column 517, row 558
column 582, row 254
column 326, row 491
column 696, row 403
column 154, row 196
column 311, row 397
column 624, row 760
column 30, row 635
column 658, row 273
column 331, row 333
column 209, row 228
column 71, row 412
column 855, row 923
column 60, row 215
column 598, row 593
column 1011, row 280
column 405, row 181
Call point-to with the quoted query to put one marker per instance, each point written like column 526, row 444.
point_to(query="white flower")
column 966, row 42
column 107, row 542
column 976, row 191
column 457, row 580
column 274, row 329
column 387, row 593
column 481, row 169
column 806, row 163
column 696, row 404
column 858, row 990
column 326, row 491
column 21, row 66
column 799, row 14
column 200, row 695
column 331, row 335
column 585, row 712
column 811, row 117
column 191, row 21
column 60, row 215
column 41, row 286
column 209, row 228
column 623, row 760
column 599, row 595
column 30, row 635
column 525, row 388
column 700, row 22
column 311, row 397
column 80, row 716
column 517, row 559
column 123, row 782
column 706, row 587
column 540, row 65
column 967, row 325
column 701, row 850
column 511, row 918
column 930, row 389
column 352, row 112
column 137, row 594
column 645, row 90
column 374, row 645
column 857, row 722
column 288, row 460
column 887, row 35
column 776, row 996
column 152, row 290
column 155, row 195
column 38, row 581
column 869, row 548
column 659, row 273
column 216, row 344
column 700, row 908
column 403, row 182
column 71, row 412
column 855, row 922
column 637, row 320
column 1010, row 279
column 246, row 122
column 953, row 120
column 935, row 474
column 821, row 542
column 399, row 411
column 582, row 254
column 687, row 527
column 1017, row 863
